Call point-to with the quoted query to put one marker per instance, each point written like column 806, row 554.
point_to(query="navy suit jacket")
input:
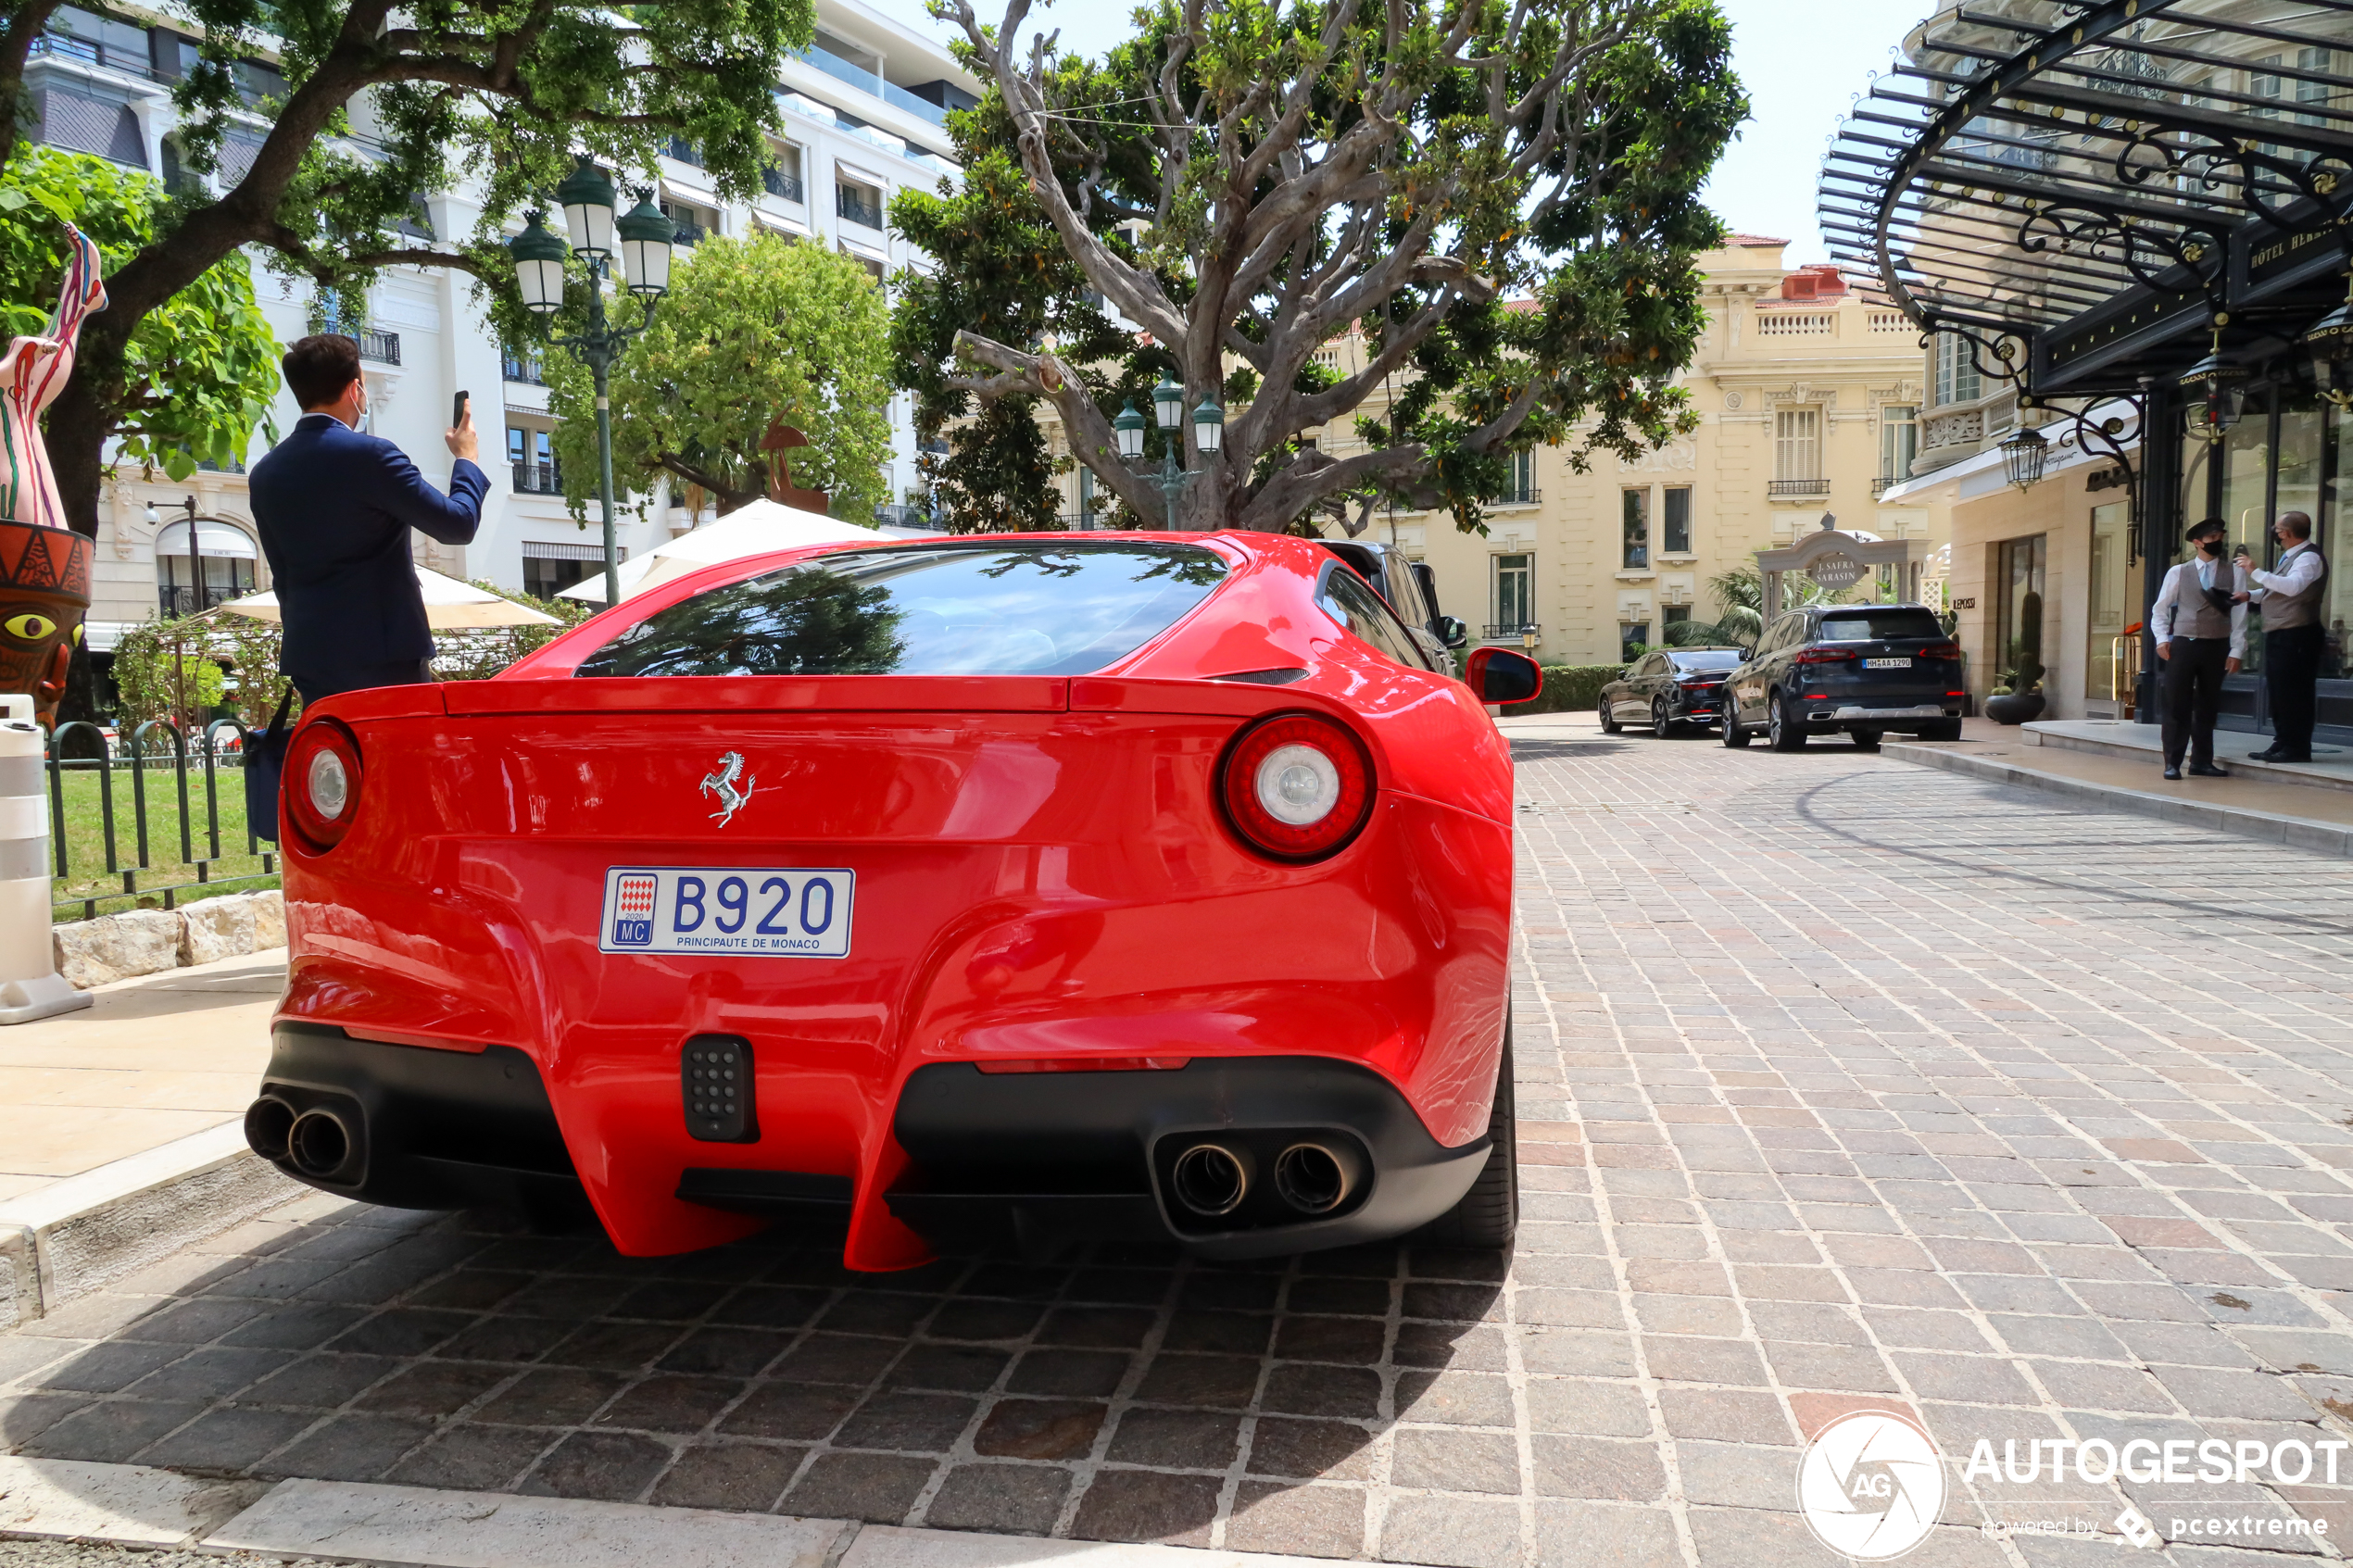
column 334, row 509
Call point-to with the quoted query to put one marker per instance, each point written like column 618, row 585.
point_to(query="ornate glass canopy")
column 2085, row 188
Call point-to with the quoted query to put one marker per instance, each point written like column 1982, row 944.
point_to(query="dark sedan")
column 1667, row 690
column 1863, row 668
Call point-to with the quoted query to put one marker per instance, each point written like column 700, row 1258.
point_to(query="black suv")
column 1864, row 668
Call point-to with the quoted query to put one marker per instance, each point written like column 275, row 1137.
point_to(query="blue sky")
column 1803, row 65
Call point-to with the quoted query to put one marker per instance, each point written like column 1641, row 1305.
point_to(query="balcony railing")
column 383, row 347
column 894, row 515
column 1527, row 497
column 1519, row 629
column 778, row 184
column 521, row 367
column 1797, row 487
column 1885, row 482
column 185, row 601
column 691, row 234
column 867, row 81
column 90, row 51
column 853, row 208
column 538, row 479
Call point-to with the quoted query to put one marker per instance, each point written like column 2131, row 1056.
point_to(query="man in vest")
column 2199, row 621
column 2294, row 639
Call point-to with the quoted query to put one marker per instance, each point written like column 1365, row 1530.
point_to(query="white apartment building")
column 864, row 116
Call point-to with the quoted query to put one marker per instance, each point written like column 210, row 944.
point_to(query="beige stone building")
column 1808, row 393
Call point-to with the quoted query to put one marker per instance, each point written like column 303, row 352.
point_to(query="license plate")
column 783, row 911
column 1887, row 664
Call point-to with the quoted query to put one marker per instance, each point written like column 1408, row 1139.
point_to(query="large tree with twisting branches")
column 372, row 106
column 1245, row 179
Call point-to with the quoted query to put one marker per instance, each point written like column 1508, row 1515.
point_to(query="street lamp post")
column 642, row 261
column 1168, row 404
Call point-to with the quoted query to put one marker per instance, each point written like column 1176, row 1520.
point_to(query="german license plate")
column 1887, row 664
column 782, row 911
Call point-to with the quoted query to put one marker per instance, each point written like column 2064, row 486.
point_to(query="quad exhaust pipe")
column 1312, row 1177
column 318, row 1142
column 1316, row 1178
column 1212, row 1179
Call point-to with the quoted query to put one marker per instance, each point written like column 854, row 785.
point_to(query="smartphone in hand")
column 458, row 409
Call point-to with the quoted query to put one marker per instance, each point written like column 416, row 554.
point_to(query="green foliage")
column 754, row 332
column 253, row 648
column 1572, row 688
column 163, row 670
column 199, row 373
column 1001, row 270
column 478, row 655
column 1504, row 201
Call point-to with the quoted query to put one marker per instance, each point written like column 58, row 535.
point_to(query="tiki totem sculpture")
column 44, row 566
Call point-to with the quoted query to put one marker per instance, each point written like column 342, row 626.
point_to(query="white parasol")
column 450, row 606
column 750, row 530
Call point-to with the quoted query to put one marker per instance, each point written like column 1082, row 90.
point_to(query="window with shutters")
column 1798, row 446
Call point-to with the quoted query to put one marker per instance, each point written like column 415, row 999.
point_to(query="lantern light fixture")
column 1129, row 427
column 586, row 195
column 647, row 239
column 1208, row 425
column 2024, row 452
column 2215, row 389
column 2329, row 347
column 539, row 259
column 1168, row 402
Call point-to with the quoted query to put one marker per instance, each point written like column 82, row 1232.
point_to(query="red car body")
column 1064, row 960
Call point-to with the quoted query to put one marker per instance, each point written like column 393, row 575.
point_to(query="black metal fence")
column 97, row 838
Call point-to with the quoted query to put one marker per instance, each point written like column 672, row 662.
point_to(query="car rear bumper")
column 1030, row 1160
column 1034, row 1158
column 422, row 1128
column 1851, row 712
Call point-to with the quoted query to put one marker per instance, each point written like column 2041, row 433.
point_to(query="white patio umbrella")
column 752, row 530
column 450, row 606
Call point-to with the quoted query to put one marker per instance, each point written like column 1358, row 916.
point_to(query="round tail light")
column 1296, row 787
column 320, row 783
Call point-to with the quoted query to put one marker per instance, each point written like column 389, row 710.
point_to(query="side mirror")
column 1747, row 654
column 1452, row 631
column 1504, row 676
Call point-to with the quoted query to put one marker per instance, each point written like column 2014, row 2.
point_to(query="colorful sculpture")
column 44, row 566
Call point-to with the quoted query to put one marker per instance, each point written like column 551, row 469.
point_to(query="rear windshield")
column 1711, row 660
column 927, row 609
column 1877, row 625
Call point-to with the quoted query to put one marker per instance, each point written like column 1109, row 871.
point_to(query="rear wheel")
column 1943, row 729
column 1783, row 732
column 1865, row 740
column 1661, row 725
column 1489, row 1213
column 1734, row 736
column 1610, row 725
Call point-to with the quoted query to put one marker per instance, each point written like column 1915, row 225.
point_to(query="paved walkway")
column 150, row 1061
column 1844, row 1082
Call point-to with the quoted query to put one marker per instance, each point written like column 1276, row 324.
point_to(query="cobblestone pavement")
column 1843, row 1083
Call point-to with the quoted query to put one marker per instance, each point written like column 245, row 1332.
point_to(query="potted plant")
column 2019, row 697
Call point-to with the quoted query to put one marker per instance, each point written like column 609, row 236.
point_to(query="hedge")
column 1572, row 688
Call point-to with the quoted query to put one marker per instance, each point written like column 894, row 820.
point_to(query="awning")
column 214, row 538
column 2094, row 180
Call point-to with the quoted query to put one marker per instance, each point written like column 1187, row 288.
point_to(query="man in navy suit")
column 334, row 507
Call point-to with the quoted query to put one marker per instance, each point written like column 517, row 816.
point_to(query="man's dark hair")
column 2204, row 526
column 318, row 368
column 2298, row 523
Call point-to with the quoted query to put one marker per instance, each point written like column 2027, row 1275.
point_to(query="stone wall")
column 94, row 952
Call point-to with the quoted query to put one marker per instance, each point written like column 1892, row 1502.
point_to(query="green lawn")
column 85, row 839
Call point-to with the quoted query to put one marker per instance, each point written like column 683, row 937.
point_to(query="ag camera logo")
column 1870, row 1485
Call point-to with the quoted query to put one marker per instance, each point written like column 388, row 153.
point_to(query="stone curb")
column 2299, row 833
column 78, row 1235
column 424, row 1527
column 99, row 951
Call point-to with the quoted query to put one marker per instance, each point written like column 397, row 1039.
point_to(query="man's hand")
column 2165, row 650
column 462, row 440
column 2231, row 665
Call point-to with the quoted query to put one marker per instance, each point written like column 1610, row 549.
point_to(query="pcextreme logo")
column 1870, row 1485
